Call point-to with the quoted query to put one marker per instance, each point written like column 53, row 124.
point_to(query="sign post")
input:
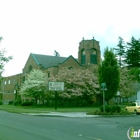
column 56, row 86
column 118, row 96
column 55, row 100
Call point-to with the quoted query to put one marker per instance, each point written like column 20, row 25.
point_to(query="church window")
column 30, row 68
column 5, row 82
column 48, row 74
column 93, row 56
column 23, row 79
column 83, row 57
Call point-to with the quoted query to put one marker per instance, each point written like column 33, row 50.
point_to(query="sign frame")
column 56, row 86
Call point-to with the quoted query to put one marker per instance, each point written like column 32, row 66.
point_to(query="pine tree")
column 120, row 51
column 133, row 53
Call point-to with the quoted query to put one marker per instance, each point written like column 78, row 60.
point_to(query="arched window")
column 83, row 57
column 30, row 68
column 93, row 56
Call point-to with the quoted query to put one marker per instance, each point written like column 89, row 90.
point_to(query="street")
column 26, row 127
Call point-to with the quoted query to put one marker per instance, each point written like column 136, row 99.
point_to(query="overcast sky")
column 42, row 26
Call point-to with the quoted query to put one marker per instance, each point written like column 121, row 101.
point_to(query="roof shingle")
column 47, row 61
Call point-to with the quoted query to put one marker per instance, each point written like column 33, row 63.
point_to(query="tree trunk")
column 36, row 100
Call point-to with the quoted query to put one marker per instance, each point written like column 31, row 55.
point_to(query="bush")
column 1, row 102
column 27, row 103
column 111, row 108
column 107, row 108
column 10, row 102
column 17, row 102
column 116, row 109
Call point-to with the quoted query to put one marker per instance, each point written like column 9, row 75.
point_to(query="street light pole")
column 118, row 94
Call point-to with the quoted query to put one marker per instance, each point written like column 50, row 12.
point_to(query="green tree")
column 35, row 85
column 1, row 39
column 127, row 80
column 135, row 74
column 133, row 53
column 120, row 51
column 109, row 74
column 3, row 59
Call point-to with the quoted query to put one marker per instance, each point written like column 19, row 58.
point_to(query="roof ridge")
column 35, row 58
column 48, row 55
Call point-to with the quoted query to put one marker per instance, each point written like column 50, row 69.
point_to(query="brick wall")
column 70, row 62
column 9, row 86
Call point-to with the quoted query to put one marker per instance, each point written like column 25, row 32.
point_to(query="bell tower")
column 89, row 52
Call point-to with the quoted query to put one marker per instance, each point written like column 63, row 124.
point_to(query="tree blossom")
column 78, row 82
column 126, row 86
column 35, row 85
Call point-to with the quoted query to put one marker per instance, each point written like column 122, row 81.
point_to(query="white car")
column 134, row 107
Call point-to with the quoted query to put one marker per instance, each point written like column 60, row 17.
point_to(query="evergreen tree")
column 109, row 74
column 135, row 73
column 120, row 51
column 133, row 53
column 1, row 39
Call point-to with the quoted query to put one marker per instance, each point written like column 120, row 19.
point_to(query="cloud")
column 44, row 26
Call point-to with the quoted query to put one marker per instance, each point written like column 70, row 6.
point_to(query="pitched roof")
column 72, row 57
column 47, row 61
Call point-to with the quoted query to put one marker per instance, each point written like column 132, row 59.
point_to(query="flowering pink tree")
column 126, row 86
column 79, row 83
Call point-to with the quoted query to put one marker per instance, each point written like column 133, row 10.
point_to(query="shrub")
column 107, row 108
column 27, row 103
column 1, row 102
column 17, row 102
column 10, row 102
column 116, row 109
column 111, row 108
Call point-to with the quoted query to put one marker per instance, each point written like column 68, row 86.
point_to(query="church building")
column 88, row 55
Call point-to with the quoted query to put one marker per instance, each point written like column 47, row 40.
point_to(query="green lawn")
column 30, row 109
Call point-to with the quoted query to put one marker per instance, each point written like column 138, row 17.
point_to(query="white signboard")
column 56, row 86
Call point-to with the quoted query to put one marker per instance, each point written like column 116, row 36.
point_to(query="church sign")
column 56, row 86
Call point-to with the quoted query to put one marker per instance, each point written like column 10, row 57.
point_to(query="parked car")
column 133, row 107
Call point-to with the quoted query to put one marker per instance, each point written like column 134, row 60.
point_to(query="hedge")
column 111, row 108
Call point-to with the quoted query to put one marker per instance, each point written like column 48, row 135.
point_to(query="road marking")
column 93, row 138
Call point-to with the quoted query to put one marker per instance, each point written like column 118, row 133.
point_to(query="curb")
column 59, row 114
column 74, row 114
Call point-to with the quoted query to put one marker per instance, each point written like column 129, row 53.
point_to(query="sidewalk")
column 62, row 114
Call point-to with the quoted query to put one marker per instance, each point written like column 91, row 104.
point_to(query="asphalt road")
column 25, row 127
